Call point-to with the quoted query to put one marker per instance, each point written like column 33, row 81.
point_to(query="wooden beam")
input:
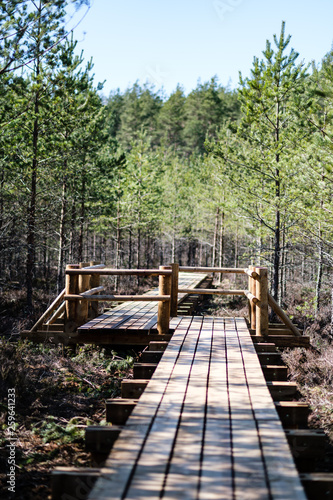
column 265, row 347
column 307, row 443
column 70, row 482
column 282, row 315
column 133, row 388
column 262, row 295
column 143, row 370
column 119, row 298
column 119, row 272
column 163, row 313
column 210, row 291
column 318, row 485
column 157, row 345
column 224, row 270
column 270, row 358
column 174, row 290
column 100, row 439
column 282, row 391
column 151, row 356
column 283, row 340
column 118, row 410
column 275, row 372
column 293, row 415
column 49, row 310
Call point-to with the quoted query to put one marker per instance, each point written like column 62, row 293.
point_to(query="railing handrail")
column 118, row 272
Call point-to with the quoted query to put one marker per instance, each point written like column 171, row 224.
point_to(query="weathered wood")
column 265, row 347
column 253, row 290
column 262, row 295
column 118, row 298
column 157, row 346
column 117, row 411
column 119, row 272
column 282, row 315
column 100, row 439
column 81, row 314
column 318, row 485
column 275, row 372
column 163, row 314
column 95, row 284
column 205, row 291
column 306, row 443
column 49, row 310
column 72, row 483
column 92, row 291
column 293, row 415
column 223, row 270
column 133, row 388
column 174, row 290
column 143, row 370
column 283, row 340
column 282, row 391
column 251, row 273
column 151, row 356
column 71, row 288
column 270, row 358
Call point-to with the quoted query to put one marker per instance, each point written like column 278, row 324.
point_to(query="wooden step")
column 133, row 388
column 282, row 391
column 283, row 340
column 308, row 447
column 270, row 358
column 157, row 346
column 265, row 347
column 143, row 370
column 100, row 438
column 318, row 485
column 293, row 415
column 275, row 372
column 73, row 483
column 118, row 410
column 151, row 356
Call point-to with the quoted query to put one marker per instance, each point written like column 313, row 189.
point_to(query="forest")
column 219, row 176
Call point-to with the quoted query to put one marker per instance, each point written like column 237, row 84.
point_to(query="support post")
column 82, row 305
column 163, row 315
column 71, row 288
column 174, row 290
column 94, row 283
column 262, row 295
column 252, row 306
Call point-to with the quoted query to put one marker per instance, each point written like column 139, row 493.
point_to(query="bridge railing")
column 78, row 302
column 83, row 289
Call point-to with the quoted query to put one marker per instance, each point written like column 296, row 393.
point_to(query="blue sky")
column 182, row 41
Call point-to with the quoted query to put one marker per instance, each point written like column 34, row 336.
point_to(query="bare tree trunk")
column 62, row 236
column 215, row 236
column 319, row 272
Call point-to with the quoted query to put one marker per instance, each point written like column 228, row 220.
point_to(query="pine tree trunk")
column 82, row 216
column 215, row 236
column 62, row 236
column 319, row 272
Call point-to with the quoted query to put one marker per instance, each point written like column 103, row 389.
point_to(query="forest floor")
column 58, row 392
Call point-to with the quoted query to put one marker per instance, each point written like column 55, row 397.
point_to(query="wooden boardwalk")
column 137, row 317
column 205, row 427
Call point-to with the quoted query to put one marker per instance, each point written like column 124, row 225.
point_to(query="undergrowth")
column 57, row 395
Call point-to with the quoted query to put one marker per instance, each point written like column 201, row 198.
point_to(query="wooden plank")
column 159, row 446
column 282, row 391
column 249, row 471
column 128, row 448
column 216, row 468
column 282, row 475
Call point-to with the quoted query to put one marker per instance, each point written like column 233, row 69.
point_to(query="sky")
column 182, row 42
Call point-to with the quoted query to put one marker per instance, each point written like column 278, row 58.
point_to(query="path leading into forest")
column 206, row 426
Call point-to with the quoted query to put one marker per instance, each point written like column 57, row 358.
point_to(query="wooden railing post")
column 163, row 315
column 262, row 295
column 94, row 283
column 71, row 288
column 174, row 290
column 252, row 306
column 82, row 305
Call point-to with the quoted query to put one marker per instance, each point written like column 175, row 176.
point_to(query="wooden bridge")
column 209, row 413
